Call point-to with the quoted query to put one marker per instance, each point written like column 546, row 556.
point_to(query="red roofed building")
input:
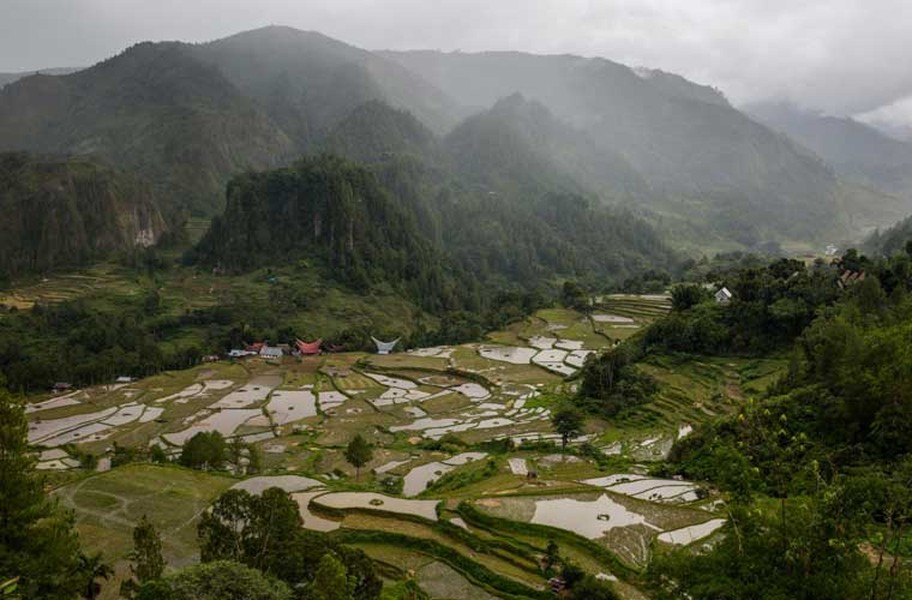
column 309, row 348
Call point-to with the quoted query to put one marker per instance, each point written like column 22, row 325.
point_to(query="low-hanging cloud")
column 839, row 56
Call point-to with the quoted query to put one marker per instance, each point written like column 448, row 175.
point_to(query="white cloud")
column 841, row 56
column 894, row 118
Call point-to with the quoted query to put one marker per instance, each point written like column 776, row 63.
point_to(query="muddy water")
column 256, row 390
column 688, row 535
column 369, row 500
column 510, row 354
column 287, row 406
column 418, row 478
column 590, row 519
column 312, row 521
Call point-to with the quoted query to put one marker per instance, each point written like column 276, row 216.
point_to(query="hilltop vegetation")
column 153, row 110
column 891, row 240
column 337, row 213
column 403, row 223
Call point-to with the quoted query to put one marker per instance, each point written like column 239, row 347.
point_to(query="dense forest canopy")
column 816, row 471
column 65, row 213
column 405, row 223
column 328, row 210
column 891, row 240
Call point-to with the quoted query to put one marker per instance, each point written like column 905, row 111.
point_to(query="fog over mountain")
column 844, row 57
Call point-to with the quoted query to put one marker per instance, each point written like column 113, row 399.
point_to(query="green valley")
column 282, row 318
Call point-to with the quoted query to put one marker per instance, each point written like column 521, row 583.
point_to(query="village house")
column 271, row 352
column 723, row 296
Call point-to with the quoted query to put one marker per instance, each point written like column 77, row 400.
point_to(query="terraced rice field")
column 301, row 413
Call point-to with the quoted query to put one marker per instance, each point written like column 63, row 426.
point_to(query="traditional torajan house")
column 723, row 296
column 385, row 347
column 309, row 348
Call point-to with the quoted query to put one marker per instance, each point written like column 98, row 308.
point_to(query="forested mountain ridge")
column 521, row 140
column 306, row 82
column 64, row 213
column 408, row 223
column 504, row 195
column 153, row 110
column 335, row 212
column 187, row 117
column 706, row 161
column 857, row 151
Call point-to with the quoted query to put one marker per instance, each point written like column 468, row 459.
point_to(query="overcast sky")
column 839, row 56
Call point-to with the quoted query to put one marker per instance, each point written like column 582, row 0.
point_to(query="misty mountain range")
column 505, row 128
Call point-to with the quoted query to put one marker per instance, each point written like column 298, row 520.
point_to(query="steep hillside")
column 374, row 131
column 337, row 213
column 64, row 213
column 522, row 142
column 710, row 162
column 307, row 82
column 857, row 151
column 892, row 240
column 187, row 118
column 153, row 110
column 6, row 78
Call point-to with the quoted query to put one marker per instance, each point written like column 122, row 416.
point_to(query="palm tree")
column 94, row 569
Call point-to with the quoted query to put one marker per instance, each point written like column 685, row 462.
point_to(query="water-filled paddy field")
column 412, row 406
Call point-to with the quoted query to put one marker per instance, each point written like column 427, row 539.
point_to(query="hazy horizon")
column 843, row 57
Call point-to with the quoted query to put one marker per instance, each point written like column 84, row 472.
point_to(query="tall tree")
column 574, row 296
column 38, row 543
column 255, row 530
column 206, row 449
column 146, row 560
column 358, row 453
column 568, row 422
column 220, row 580
column 331, row 581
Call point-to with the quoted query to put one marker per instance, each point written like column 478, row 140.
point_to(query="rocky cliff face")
column 66, row 212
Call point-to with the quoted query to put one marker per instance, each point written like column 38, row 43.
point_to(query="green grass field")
column 107, row 506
